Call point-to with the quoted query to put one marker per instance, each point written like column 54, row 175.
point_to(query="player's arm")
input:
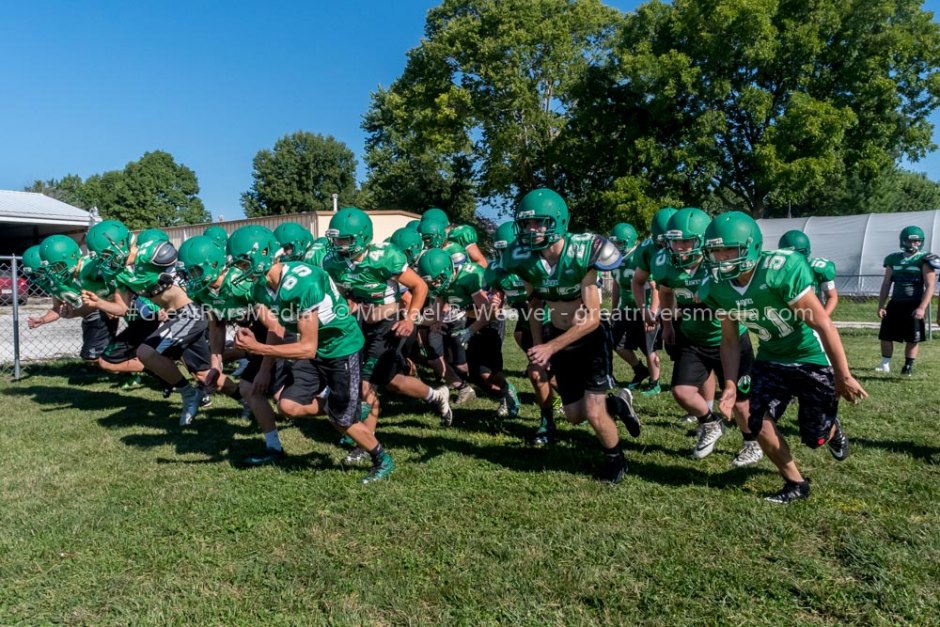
column 476, row 255
column 730, row 353
column 308, row 325
column 832, row 298
column 116, row 306
column 640, row 278
column 586, row 320
column 883, row 294
column 808, row 309
column 419, row 294
column 930, row 282
column 51, row 315
column 668, row 312
column 485, row 309
column 216, row 342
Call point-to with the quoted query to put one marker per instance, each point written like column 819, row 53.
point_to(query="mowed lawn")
column 111, row 514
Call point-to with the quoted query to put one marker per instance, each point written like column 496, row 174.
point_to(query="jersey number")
column 296, row 271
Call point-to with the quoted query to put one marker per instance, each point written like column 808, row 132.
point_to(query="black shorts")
column 774, row 385
column 485, row 349
column 277, row 369
column 124, row 345
column 694, row 364
column 584, row 366
column 629, row 332
column 98, row 331
column 443, row 344
column 184, row 335
column 524, row 327
column 900, row 325
column 306, row 378
column 382, row 355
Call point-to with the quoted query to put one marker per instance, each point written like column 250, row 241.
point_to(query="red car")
column 6, row 289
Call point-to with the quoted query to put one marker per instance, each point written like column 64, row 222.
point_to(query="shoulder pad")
column 604, row 255
column 933, row 260
column 164, row 255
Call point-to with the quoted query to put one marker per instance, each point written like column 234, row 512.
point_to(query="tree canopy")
column 301, row 173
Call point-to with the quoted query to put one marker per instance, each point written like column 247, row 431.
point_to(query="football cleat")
column 791, row 492
column 270, row 456
column 883, row 368
column 205, row 399
column 639, row 374
column 839, row 444
column 382, row 467
column 544, row 435
column 907, row 371
column 465, row 394
column 749, row 454
column 512, row 400
column 132, row 383
column 620, row 404
column 440, row 400
column 191, row 397
column 651, row 390
column 356, row 456
column 614, row 469
column 711, row 433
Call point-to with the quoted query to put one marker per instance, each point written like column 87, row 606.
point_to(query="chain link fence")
column 22, row 348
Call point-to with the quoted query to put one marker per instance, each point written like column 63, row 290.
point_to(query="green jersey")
column 317, row 253
column 907, row 275
column 303, row 289
column 824, row 273
column 464, row 235
column 93, row 278
column 69, row 291
column 698, row 323
column 561, row 282
column 623, row 275
column 371, row 280
column 496, row 277
column 644, row 255
column 469, row 281
column 765, row 304
column 235, row 299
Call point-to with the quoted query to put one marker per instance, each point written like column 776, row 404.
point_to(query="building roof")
column 33, row 208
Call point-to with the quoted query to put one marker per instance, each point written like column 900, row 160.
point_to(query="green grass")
column 112, row 515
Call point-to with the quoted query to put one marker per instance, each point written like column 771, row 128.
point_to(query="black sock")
column 708, row 417
column 749, row 437
column 237, row 395
column 376, row 453
column 908, row 362
column 180, row 384
column 548, row 415
column 614, row 452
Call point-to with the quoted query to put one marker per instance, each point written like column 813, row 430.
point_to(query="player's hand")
column 212, row 379
column 669, row 334
column 463, row 337
column 919, row 313
column 34, row 321
column 245, row 340
column 850, row 389
column 540, row 354
column 162, row 315
column 726, row 403
column 882, row 312
column 404, row 328
column 90, row 299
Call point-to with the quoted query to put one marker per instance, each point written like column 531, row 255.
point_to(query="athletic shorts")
column 900, row 325
column 277, row 369
column 382, row 355
column 443, row 344
column 524, row 327
column 485, row 349
column 774, row 385
column 629, row 332
column 581, row 367
column 694, row 364
column 124, row 345
column 306, row 378
column 184, row 335
column 98, row 332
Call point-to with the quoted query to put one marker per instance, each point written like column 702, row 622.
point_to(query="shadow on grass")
column 927, row 454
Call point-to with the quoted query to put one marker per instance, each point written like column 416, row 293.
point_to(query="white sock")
column 273, row 440
column 711, row 405
column 430, row 394
column 885, row 361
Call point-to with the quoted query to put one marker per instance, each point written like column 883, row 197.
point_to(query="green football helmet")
column 253, row 250
column 549, row 211
column 436, row 215
column 504, row 235
column 410, row 242
column 437, row 270
column 733, row 230
column 413, row 225
column 32, row 262
column 795, row 240
column 660, row 224
column 912, row 239
column 350, row 232
column 686, row 224
column 151, row 235
column 623, row 235
column 433, row 234
column 218, row 234
column 203, row 260
column 295, row 241
column 60, row 255
column 111, row 242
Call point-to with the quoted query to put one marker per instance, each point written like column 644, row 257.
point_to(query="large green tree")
column 757, row 104
column 484, row 97
column 153, row 191
column 301, row 173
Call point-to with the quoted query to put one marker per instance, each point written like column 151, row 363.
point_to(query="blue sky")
column 90, row 86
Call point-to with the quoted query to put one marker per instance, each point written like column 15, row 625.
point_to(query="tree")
column 300, row 174
column 769, row 102
column 485, row 96
column 153, row 191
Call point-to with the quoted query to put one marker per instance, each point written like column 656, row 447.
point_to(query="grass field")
column 113, row 515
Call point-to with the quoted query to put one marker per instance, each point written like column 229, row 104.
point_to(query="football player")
column 823, row 269
column 801, row 355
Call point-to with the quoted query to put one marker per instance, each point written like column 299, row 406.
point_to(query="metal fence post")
column 16, row 321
